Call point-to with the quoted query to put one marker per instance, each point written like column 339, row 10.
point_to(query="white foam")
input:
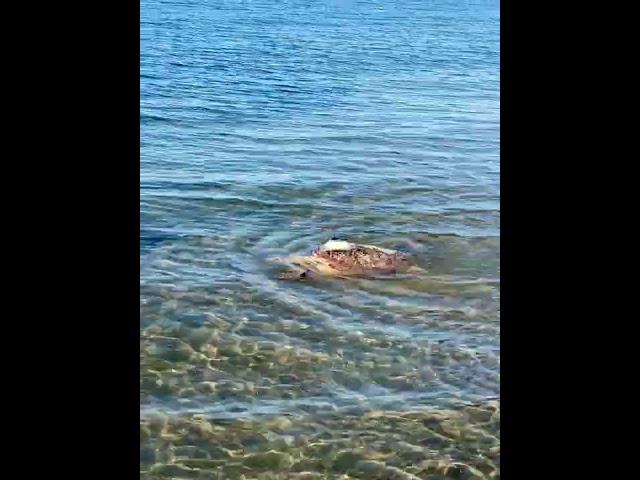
column 337, row 245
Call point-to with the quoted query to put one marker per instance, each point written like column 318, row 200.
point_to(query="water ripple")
column 264, row 130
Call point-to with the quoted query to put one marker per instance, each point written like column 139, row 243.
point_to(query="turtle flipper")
column 416, row 269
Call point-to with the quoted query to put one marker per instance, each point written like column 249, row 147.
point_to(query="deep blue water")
column 265, row 127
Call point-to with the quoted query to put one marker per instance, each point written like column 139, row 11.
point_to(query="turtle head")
column 293, row 272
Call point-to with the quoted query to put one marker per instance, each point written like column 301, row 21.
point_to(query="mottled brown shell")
column 362, row 260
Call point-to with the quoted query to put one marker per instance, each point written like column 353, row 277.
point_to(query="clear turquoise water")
column 265, row 127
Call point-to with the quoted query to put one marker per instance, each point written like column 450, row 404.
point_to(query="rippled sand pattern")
column 265, row 128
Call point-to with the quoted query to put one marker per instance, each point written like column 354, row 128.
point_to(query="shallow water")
column 265, row 128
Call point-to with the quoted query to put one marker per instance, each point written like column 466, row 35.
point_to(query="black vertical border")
column 72, row 192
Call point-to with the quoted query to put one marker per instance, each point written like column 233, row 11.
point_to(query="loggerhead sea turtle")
column 340, row 258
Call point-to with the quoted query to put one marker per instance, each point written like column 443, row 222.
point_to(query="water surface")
column 265, row 128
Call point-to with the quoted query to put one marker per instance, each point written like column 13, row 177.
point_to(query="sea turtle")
column 340, row 258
